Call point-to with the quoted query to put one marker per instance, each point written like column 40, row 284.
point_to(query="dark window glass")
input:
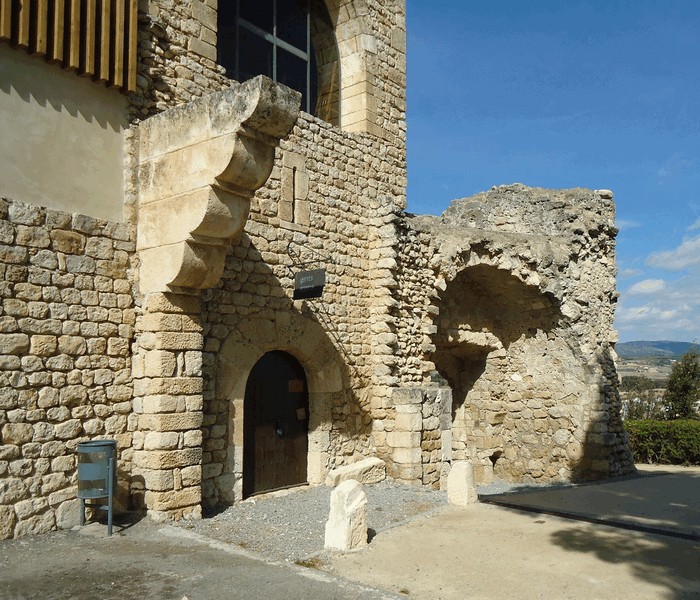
column 245, row 53
column 226, row 34
column 255, row 58
column 291, row 22
column 291, row 71
column 257, row 12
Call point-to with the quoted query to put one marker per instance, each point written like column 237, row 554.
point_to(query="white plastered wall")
column 61, row 138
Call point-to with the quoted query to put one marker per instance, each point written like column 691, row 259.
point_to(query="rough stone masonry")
column 482, row 335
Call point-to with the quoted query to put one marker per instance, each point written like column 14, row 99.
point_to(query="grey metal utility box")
column 97, row 476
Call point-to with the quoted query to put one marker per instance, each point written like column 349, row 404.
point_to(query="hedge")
column 665, row 442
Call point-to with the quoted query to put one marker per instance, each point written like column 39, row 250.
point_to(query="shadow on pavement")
column 660, row 561
column 663, row 502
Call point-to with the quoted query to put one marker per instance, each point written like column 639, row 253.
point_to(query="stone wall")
column 178, row 53
column 334, row 212
column 484, row 334
column 509, row 298
column 67, row 322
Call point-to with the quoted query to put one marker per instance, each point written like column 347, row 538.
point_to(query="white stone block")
column 461, row 489
column 346, row 528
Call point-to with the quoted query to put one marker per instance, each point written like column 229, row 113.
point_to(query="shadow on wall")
column 247, row 317
column 605, row 449
column 36, row 82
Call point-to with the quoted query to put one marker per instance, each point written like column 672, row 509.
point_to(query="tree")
column 683, row 389
column 640, row 398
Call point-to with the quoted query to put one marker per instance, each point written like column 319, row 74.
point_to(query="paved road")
column 480, row 552
column 149, row 561
column 492, row 552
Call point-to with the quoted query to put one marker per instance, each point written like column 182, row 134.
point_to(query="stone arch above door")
column 307, row 342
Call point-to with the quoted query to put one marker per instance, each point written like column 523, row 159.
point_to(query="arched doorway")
column 276, row 424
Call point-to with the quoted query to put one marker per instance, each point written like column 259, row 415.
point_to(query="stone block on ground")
column 461, row 489
column 368, row 470
column 346, row 528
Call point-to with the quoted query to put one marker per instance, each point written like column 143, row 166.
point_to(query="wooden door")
column 276, row 425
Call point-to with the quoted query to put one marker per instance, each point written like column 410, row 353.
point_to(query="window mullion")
column 274, row 40
column 308, row 56
column 237, row 66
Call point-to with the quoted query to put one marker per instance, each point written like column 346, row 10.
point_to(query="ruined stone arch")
column 305, row 340
column 520, row 389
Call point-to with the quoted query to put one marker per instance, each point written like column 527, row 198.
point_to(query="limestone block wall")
column 512, row 302
column 330, row 202
column 167, row 406
column 66, row 326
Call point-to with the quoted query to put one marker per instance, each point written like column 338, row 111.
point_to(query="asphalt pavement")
column 631, row 538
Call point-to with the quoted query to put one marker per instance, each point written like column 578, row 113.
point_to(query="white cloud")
column 626, row 224
column 671, row 312
column 695, row 226
column 648, row 286
column 682, row 257
column 627, row 273
column 675, row 165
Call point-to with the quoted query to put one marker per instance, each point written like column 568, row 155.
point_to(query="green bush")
column 665, row 442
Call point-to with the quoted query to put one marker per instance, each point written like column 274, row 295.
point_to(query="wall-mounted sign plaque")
column 309, row 284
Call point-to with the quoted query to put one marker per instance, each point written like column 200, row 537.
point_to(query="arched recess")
column 356, row 44
column 303, row 338
column 517, row 383
column 343, row 62
column 290, row 41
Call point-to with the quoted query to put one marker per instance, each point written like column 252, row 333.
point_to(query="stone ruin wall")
column 67, row 323
column 511, row 306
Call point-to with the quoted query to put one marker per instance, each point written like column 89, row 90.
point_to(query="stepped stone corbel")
column 198, row 167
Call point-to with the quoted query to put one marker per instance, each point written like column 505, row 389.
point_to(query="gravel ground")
column 290, row 525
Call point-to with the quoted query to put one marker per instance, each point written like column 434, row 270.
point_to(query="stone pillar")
column 404, row 442
column 167, row 367
column 198, row 166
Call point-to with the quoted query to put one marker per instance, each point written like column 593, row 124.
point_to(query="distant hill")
column 639, row 349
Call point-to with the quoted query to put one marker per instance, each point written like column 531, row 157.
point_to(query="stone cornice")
column 199, row 165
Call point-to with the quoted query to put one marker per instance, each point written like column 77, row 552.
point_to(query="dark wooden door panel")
column 276, row 425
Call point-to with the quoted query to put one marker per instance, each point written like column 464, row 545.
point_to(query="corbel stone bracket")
column 199, row 165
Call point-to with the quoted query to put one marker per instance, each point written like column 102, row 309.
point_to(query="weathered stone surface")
column 461, row 488
column 68, row 514
column 17, row 433
column 7, row 522
column 14, row 343
column 346, row 528
column 369, row 470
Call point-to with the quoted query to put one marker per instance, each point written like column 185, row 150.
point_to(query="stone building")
column 164, row 197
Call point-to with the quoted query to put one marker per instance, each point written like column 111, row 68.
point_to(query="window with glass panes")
column 269, row 37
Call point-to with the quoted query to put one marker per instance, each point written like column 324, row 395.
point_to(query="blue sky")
column 598, row 94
